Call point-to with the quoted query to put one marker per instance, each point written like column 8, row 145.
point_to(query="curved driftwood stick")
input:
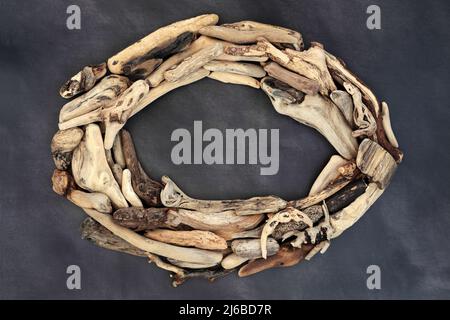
column 62, row 146
column 195, row 238
column 234, row 78
column 194, row 62
column 315, row 111
column 127, row 190
column 159, row 248
column 142, row 70
column 232, row 261
column 296, row 81
column 329, row 173
column 286, row 257
column 245, row 69
column 103, row 95
column 190, row 265
column 156, row 44
column 83, row 81
column 117, row 151
column 90, row 168
column 146, row 188
column 343, row 100
column 210, row 275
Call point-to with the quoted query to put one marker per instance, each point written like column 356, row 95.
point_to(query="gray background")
column 405, row 233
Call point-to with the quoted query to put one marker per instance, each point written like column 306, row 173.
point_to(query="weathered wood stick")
column 117, row 173
column 246, row 69
column 118, row 152
column 286, row 257
column 386, row 121
column 375, row 162
column 172, row 196
column 296, row 81
column 315, row 111
column 146, row 188
column 94, row 232
column 83, row 81
column 210, row 275
column 160, row 43
column 251, row 248
column 143, row 70
column 329, row 173
column 90, row 168
column 195, row 238
column 232, row 261
column 62, row 146
column 242, row 36
column 253, row 233
column 252, row 50
column 140, row 219
column 127, row 190
column 194, row 62
column 235, row 58
column 234, row 78
column 103, row 95
column 191, row 265
column 159, row 248
column 343, row 100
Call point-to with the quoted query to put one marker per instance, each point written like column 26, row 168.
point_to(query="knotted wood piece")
column 83, row 81
column 62, row 146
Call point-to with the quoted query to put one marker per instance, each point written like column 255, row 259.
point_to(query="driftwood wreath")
column 98, row 170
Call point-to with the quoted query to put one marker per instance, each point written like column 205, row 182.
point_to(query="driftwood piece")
column 160, row 43
column 334, row 203
column 232, row 261
column 234, row 78
column 115, row 117
column 210, row 275
column 103, row 95
column 117, row 151
column 341, row 74
column 236, row 58
column 156, row 247
column 328, row 174
column 251, row 248
column 127, row 190
column 386, row 122
column 258, row 26
column 94, row 232
column 362, row 117
column 195, row 238
column 117, row 173
column 246, row 69
column 140, row 219
column 294, row 80
column 83, row 81
column 315, row 111
column 375, row 162
column 172, row 196
column 191, row 265
column 253, row 233
column 224, row 223
column 249, row 36
column 343, row 100
column 62, row 146
column 287, row 256
column 194, row 62
column 251, row 50
column 146, row 188
column 91, row 170
column 142, row 70
column 62, row 182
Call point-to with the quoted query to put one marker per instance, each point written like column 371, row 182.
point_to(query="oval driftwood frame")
column 97, row 167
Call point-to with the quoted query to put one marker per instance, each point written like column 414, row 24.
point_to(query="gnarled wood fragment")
column 232, row 261
column 83, row 81
column 246, row 69
column 94, row 232
column 172, row 196
column 343, row 100
column 142, row 70
column 296, row 81
column 62, row 182
column 252, row 50
column 140, row 219
column 234, row 78
column 91, row 170
column 146, row 188
column 195, row 238
column 160, row 43
column 194, row 62
column 250, row 36
column 287, row 256
column 315, row 111
column 208, row 274
column 102, row 96
column 90, row 200
column 375, row 162
column 386, row 121
column 251, row 248
column 62, row 146
column 127, row 190
column 158, row 248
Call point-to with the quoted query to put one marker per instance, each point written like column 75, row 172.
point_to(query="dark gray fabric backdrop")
column 405, row 233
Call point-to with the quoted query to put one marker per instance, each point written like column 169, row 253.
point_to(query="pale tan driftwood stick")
column 155, row 44
column 127, row 190
column 234, row 78
column 251, row 248
column 83, row 81
column 343, row 100
column 159, row 248
column 328, row 174
column 195, row 238
column 118, row 152
column 246, row 69
column 235, row 58
column 191, row 265
column 194, row 62
column 294, row 80
column 232, row 261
